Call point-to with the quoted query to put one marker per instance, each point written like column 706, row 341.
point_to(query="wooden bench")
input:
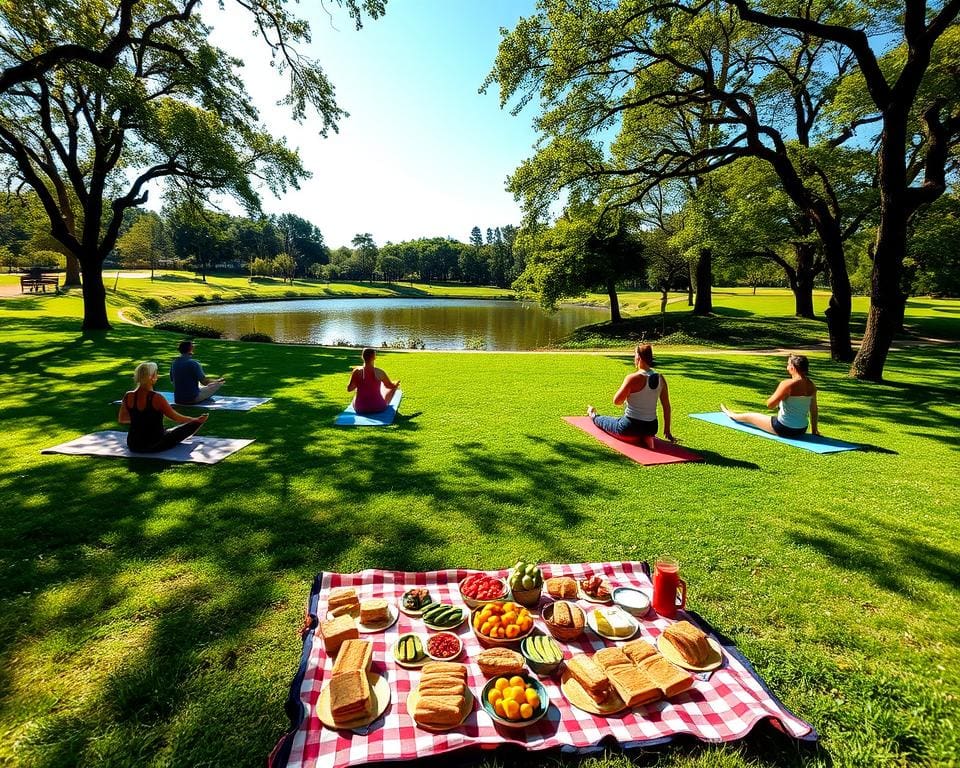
column 35, row 282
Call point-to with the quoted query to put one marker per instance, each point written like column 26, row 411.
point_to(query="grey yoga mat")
column 113, row 444
column 217, row 402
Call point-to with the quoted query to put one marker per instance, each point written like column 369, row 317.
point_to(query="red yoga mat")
column 663, row 453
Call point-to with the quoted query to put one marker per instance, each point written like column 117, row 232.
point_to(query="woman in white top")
column 795, row 400
column 639, row 393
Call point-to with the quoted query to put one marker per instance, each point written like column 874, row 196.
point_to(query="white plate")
column 592, row 623
column 671, row 654
column 465, row 614
column 410, row 664
column 380, row 698
column 416, row 613
column 584, row 596
column 392, row 616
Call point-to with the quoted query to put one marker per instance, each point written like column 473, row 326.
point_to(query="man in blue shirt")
column 187, row 376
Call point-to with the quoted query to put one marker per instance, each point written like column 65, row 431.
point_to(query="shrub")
column 342, row 343
column 291, row 293
column 414, row 342
column 150, row 304
column 195, row 330
column 475, row 343
column 216, row 297
column 200, row 299
column 258, row 337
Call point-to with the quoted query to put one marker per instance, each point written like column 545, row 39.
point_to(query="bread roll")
column 500, row 661
column 690, row 642
column 562, row 587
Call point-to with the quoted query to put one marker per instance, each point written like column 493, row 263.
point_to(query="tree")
column 147, row 241
column 302, row 240
column 365, row 255
column 284, row 266
column 98, row 102
column 638, row 57
column 932, row 266
column 476, row 237
column 666, row 267
column 582, row 251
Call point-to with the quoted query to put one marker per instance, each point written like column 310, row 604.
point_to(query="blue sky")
column 422, row 153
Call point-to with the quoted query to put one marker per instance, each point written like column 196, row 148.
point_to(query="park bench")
column 36, row 281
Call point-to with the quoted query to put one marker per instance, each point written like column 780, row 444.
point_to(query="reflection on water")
column 440, row 323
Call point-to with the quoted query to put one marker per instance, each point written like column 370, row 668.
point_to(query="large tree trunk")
column 886, row 297
column 72, row 276
column 691, row 278
column 614, row 302
column 94, row 297
column 704, row 301
column 838, row 310
column 802, row 283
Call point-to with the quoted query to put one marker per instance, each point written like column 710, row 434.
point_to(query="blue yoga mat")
column 350, row 418
column 815, row 443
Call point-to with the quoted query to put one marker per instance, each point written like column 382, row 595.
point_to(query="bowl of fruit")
column 444, row 646
column 516, row 701
column 526, row 583
column 542, row 652
column 501, row 623
column 479, row 588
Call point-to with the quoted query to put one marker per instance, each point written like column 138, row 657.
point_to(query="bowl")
column 486, row 640
column 443, row 637
column 633, row 601
column 527, row 597
column 473, row 602
column 534, row 657
column 566, row 634
column 540, row 711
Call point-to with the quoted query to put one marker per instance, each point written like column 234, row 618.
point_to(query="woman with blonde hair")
column 366, row 380
column 143, row 409
column 639, row 394
column 795, row 400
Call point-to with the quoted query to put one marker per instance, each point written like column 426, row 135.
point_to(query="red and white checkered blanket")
column 724, row 707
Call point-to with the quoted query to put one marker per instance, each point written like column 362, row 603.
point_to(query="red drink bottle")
column 666, row 584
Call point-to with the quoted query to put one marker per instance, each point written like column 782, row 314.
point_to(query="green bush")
column 259, row 337
column 200, row 299
column 194, row 330
column 150, row 304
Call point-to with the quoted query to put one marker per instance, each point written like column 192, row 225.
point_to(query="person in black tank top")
column 144, row 410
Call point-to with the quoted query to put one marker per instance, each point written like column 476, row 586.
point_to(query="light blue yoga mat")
column 350, row 418
column 815, row 443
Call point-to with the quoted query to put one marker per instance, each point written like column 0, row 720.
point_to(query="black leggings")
column 171, row 437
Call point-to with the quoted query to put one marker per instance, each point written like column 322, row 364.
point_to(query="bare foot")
column 591, row 411
column 725, row 410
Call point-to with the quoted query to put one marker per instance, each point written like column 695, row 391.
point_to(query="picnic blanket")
column 663, row 453
column 724, row 706
column 217, row 402
column 113, row 444
column 815, row 443
column 350, row 418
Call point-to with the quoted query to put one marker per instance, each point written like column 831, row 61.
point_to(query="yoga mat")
column 217, row 402
column 350, row 418
column 113, row 444
column 663, row 453
column 815, row 443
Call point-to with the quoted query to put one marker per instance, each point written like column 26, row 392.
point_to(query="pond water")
column 439, row 323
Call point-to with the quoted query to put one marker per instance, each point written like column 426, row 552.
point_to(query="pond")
column 439, row 323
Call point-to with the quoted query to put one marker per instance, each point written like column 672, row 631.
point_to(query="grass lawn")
column 148, row 612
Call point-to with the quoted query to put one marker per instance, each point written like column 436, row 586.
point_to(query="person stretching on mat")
column 187, row 375
column 143, row 409
column 640, row 392
column 795, row 398
column 366, row 380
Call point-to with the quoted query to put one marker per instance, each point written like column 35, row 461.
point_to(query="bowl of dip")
column 633, row 601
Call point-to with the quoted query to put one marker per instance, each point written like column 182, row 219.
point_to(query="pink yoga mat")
column 663, row 453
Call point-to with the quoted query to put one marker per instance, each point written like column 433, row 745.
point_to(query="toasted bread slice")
column 611, row 657
column 633, row 685
column 336, row 631
column 668, row 678
column 638, row 650
column 500, row 661
column 590, row 676
column 374, row 611
column 349, row 695
column 353, row 656
column 445, row 668
column 438, row 710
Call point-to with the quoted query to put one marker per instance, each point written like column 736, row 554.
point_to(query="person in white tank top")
column 639, row 394
column 795, row 400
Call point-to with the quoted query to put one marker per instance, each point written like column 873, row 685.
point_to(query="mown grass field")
column 148, row 612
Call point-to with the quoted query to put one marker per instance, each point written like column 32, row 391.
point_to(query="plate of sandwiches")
column 343, row 601
column 686, row 645
column 617, row 678
column 441, row 701
column 354, row 696
column 376, row 615
column 612, row 623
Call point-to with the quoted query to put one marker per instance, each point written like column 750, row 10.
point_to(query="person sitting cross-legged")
column 190, row 384
column 143, row 409
column 366, row 380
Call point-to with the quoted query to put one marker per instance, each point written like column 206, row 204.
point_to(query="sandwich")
column 567, row 615
column 349, row 695
column 438, row 711
column 638, row 650
column 562, row 587
column 670, row 679
column 690, row 642
column 336, row 631
column 441, row 686
column 500, row 661
column 354, row 656
column 591, row 677
column 634, row 686
column 445, row 668
column 374, row 611
column 608, row 658
column 343, row 600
